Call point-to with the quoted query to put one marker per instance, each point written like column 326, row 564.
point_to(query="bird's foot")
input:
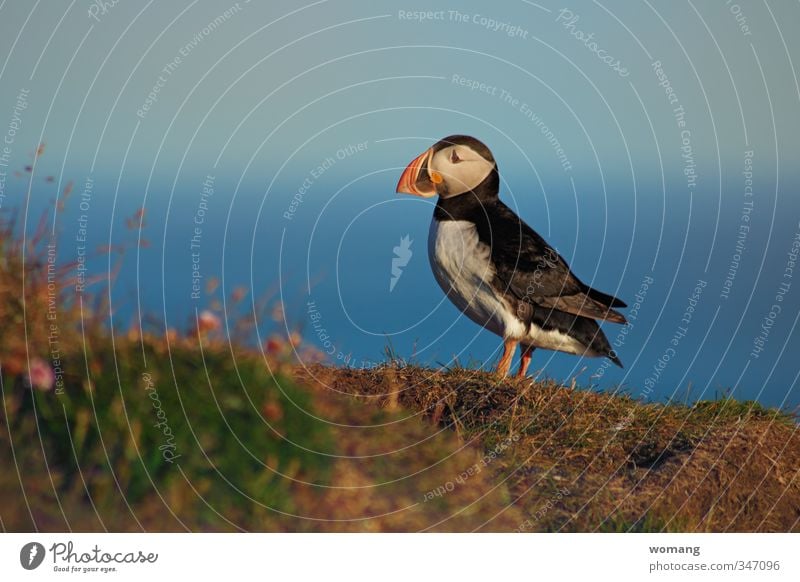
column 525, row 361
column 504, row 365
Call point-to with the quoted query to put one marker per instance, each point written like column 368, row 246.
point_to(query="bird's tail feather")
column 604, row 298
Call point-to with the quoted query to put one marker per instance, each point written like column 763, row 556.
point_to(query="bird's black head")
column 452, row 166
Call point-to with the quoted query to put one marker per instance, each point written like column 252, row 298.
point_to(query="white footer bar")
column 402, row 557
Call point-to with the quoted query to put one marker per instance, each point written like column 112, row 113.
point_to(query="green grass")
column 125, row 432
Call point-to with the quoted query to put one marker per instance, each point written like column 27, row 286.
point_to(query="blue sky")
column 621, row 130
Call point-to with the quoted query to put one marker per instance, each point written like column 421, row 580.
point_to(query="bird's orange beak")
column 415, row 179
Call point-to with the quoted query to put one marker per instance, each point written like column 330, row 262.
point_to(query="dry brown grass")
column 579, row 460
column 387, row 462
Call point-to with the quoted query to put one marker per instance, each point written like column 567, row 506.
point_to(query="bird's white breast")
column 462, row 266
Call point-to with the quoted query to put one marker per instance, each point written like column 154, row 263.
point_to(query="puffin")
column 495, row 268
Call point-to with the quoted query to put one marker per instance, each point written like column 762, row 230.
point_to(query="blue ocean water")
column 698, row 327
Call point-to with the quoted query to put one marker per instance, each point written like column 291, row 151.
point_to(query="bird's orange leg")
column 525, row 360
column 504, row 365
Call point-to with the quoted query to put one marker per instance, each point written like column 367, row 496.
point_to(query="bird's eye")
column 454, row 156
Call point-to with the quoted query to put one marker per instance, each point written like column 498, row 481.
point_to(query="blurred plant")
column 40, row 375
column 125, row 423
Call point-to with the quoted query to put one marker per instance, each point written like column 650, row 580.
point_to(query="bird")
column 495, row 268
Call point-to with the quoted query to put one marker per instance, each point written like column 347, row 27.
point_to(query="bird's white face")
column 460, row 168
column 448, row 172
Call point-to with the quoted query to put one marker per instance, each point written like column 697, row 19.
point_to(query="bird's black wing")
column 534, row 273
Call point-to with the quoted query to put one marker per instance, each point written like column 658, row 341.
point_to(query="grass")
column 628, row 466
